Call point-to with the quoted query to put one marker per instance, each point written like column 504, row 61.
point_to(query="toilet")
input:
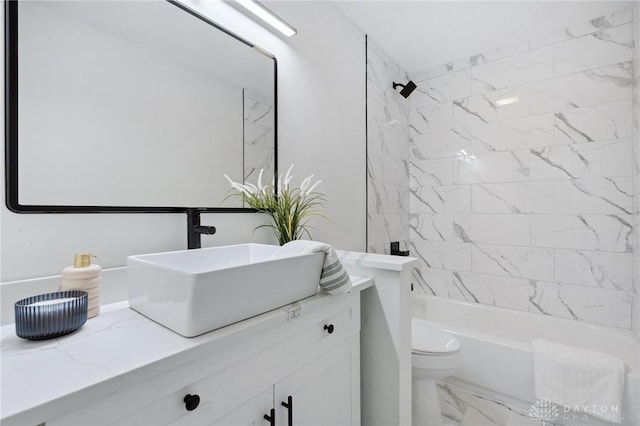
column 435, row 354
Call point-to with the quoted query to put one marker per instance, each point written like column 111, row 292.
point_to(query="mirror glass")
column 137, row 103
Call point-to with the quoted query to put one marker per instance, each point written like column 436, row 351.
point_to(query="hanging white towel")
column 334, row 278
column 581, row 380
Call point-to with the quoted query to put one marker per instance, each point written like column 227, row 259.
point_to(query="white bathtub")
column 496, row 346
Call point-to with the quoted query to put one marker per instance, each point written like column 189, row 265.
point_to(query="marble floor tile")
column 454, row 401
column 485, row 412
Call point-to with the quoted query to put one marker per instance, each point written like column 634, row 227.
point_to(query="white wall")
column 321, row 109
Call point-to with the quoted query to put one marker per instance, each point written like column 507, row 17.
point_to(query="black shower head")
column 407, row 89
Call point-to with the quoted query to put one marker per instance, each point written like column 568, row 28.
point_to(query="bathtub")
column 498, row 359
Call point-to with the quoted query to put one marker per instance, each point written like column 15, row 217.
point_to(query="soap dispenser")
column 85, row 277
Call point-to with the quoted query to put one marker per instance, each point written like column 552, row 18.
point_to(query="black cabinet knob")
column 191, row 402
column 329, row 328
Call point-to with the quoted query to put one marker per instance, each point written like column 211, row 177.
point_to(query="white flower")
column 313, row 187
column 283, row 183
column 251, row 187
column 305, row 183
column 260, row 187
column 288, row 177
column 290, row 212
column 247, row 189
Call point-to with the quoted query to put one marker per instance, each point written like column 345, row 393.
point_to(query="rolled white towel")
column 580, row 379
column 334, row 278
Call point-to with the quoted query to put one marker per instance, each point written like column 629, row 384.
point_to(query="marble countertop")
column 374, row 260
column 116, row 342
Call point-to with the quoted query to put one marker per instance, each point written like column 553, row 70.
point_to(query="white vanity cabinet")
column 251, row 412
column 306, row 355
column 321, row 393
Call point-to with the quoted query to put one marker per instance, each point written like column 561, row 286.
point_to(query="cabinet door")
column 325, row 392
column 250, row 413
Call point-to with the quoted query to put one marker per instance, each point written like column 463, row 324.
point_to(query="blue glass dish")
column 50, row 315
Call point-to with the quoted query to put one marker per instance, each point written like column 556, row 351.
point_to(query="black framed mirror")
column 136, row 106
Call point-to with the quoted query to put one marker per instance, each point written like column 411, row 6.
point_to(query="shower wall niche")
column 521, row 175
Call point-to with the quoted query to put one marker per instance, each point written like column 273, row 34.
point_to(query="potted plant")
column 290, row 208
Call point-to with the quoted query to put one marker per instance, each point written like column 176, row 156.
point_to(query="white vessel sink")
column 196, row 291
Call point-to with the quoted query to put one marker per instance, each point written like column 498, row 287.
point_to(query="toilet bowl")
column 435, row 354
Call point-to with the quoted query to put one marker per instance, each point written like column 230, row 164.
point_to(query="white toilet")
column 435, row 354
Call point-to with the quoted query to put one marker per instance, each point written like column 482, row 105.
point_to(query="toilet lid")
column 427, row 338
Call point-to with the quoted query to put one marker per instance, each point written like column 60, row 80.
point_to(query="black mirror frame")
column 11, row 127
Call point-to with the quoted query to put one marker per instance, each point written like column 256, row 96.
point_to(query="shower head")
column 407, row 89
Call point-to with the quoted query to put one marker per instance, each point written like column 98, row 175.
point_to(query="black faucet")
column 195, row 230
column 395, row 249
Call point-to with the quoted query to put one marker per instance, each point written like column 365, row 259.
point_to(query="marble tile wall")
column 387, row 153
column 529, row 205
column 259, row 141
column 636, row 171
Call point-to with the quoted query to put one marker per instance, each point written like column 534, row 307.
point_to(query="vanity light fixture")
column 507, row 101
column 267, row 16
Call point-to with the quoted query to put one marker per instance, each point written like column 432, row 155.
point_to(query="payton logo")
column 544, row 410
